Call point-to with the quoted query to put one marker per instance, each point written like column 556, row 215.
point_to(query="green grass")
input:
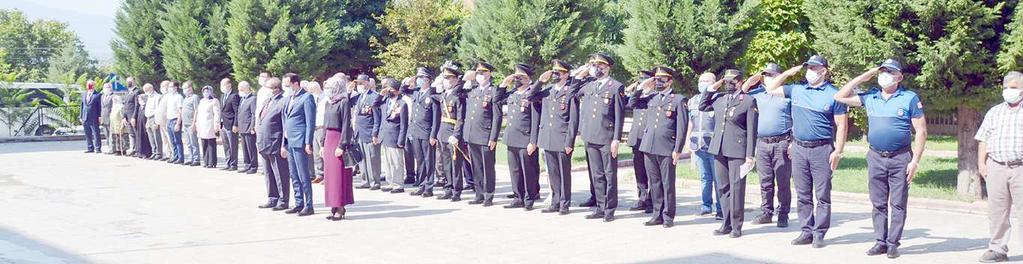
column 943, row 143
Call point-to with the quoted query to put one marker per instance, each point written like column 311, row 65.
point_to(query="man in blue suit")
column 90, row 118
column 299, row 123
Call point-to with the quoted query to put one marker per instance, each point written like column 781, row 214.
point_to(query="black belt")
column 774, row 139
column 1011, row 163
column 813, row 143
column 889, row 154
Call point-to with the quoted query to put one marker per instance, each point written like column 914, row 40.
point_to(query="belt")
column 889, row 154
column 448, row 120
column 774, row 139
column 1010, row 164
column 813, row 143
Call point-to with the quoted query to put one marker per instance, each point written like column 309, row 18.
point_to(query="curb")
column 41, row 138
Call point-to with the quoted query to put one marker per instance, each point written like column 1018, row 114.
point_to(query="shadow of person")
column 400, row 214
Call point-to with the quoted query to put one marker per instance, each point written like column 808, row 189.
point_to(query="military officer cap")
column 646, row 73
column 451, row 72
column 601, row 57
column 891, row 65
column 560, row 65
column 664, row 71
column 362, row 78
column 451, row 64
column 391, row 83
column 484, row 67
column 422, row 72
column 732, row 74
column 772, row 69
column 523, row 69
column 816, row 60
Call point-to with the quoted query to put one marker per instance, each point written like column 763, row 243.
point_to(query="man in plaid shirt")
column 1000, row 158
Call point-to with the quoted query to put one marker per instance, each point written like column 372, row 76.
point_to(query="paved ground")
column 65, row 206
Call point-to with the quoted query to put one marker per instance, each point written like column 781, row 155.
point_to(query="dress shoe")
column 783, row 221
column 528, row 206
column 702, row 213
column 510, row 196
column 719, row 217
column 515, row 204
column 365, row 186
column 669, row 224
column 639, row 207
column 195, row 164
column 476, row 201
column 266, row 205
column 550, row 210
column 877, row 249
column 250, row 171
column 893, row 252
column 225, row 168
column 88, row 151
column 306, row 212
column 294, row 210
column 609, row 217
column 374, row 188
column 445, row 196
column 735, row 233
column 180, row 162
column 488, row 202
column 188, row 163
column 803, row 239
column 654, row 222
column 721, row 232
column 456, row 198
column 595, row 215
column 818, row 242
column 762, row 219
column 590, row 203
column 398, row 190
column 564, row 211
column 992, row 257
column 386, row 189
column 281, row 207
column 427, row 193
column 413, row 193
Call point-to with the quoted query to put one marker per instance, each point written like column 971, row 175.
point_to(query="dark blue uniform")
column 367, row 127
column 482, row 125
column 453, row 156
column 601, row 107
column 522, row 131
column 664, row 133
column 559, row 113
column 424, row 124
column 635, row 139
column 734, row 140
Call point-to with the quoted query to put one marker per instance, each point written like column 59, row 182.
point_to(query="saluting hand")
column 546, row 76
column 793, row 70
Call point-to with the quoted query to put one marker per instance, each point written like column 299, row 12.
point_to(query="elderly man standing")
column 189, row 105
column 131, row 105
column 1000, row 162
column 367, row 129
column 161, row 122
column 270, row 141
column 246, row 127
column 299, row 121
column 173, row 102
column 229, row 103
column 152, row 129
column 106, row 101
column 90, row 118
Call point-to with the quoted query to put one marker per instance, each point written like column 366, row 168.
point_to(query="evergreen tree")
column 196, row 40
column 72, row 60
column 358, row 24
column 782, row 35
column 28, row 46
column 139, row 34
column 420, row 33
column 280, row 36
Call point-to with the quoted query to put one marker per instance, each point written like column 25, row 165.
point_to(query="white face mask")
column 244, row 94
column 812, row 77
column 361, row 88
column 420, row 82
column 885, row 79
column 702, row 86
column 768, row 80
column 481, row 78
column 595, row 72
column 1012, row 96
column 446, row 83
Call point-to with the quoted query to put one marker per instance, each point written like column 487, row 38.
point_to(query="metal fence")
column 39, row 121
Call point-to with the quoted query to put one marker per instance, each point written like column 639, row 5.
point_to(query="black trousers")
column 525, row 173
column 142, row 148
column 426, row 159
column 604, row 176
column 559, row 173
column 733, row 190
column 278, row 183
column 249, row 150
column 775, row 171
column 640, row 171
column 209, row 152
column 661, row 173
column 230, row 147
column 452, row 159
column 589, row 176
column 410, row 163
column 482, row 170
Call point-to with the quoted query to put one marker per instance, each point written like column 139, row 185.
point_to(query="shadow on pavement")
column 715, row 257
column 21, row 248
column 27, row 147
column 400, row 214
column 946, row 244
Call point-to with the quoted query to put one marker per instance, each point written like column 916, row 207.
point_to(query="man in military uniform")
column 663, row 138
column 600, row 108
column 367, row 130
column 482, row 125
column 635, row 135
column 452, row 151
column 557, row 133
column 521, row 137
column 774, row 126
column 894, row 154
column 819, row 125
column 733, row 145
column 424, row 124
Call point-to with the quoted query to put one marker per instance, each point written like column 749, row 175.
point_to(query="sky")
column 92, row 20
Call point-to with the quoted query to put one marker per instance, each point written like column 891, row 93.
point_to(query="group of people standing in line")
column 789, row 132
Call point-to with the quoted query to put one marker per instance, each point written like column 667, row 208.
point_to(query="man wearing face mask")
column 173, row 101
column 482, row 126
column 635, row 140
column 557, row 132
column 229, row 103
column 131, row 105
column 189, row 108
column 161, row 122
column 819, row 128
column 701, row 130
column 663, row 139
column 152, row 129
column 774, row 126
column 90, row 116
column 424, row 124
column 892, row 110
column 299, row 123
column 367, row 130
column 452, row 151
column 246, row 124
column 733, row 146
column 1000, row 163
column 520, row 136
column 601, row 107
column 106, row 103
column 270, row 142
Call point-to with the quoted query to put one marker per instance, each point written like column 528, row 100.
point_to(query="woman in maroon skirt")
column 337, row 175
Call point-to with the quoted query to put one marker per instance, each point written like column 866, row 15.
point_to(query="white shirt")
column 207, row 118
column 173, row 102
column 321, row 105
column 152, row 102
column 161, row 111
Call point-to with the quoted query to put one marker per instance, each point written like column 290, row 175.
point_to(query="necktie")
column 262, row 113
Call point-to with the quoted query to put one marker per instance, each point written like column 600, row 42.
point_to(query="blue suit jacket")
column 90, row 109
column 299, row 120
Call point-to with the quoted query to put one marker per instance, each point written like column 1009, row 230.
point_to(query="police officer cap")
column 646, row 73
column 601, row 57
column 560, row 65
column 484, row 67
column 524, row 69
column 772, row 68
column 449, row 72
column 732, row 74
column 391, row 83
column 663, row 71
column 423, row 72
column 891, row 65
column 817, row 60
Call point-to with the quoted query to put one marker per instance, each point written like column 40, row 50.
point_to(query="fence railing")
column 39, row 121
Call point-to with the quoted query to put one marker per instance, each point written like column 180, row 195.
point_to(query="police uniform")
column 890, row 137
column 634, row 140
column 774, row 126
column 424, row 124
column 667, row 120
column 367, row 127
column 559, row 111
column 734, row 140
column 813, row 130
column 522, row 131
column 601, row 107
column 452, row 155
column 482, row 125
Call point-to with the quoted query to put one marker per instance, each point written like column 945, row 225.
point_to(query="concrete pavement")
column 66, row 206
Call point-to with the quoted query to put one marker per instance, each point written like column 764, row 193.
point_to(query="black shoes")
column 447, row 195
column 721, row 232
column 803, row 239
column 818, row 242
column 877, row 249
column 550, row 210
column 510, row 196
column 413, row 193
column 609, row 217
column 306, row 212
column 893, row 252
column 366, row 186
column 280, row 207
column 735, row 233
column 669, row 224
column 564, row 211
column 427, row 193
column 266, row 206
column 528, row 206
column 476, row 201
column 294, row 210
column 595, row 215
column 783, row 221
column 590, row 203
column 398, row 191
column 456, row 198
column 515, row 204
column 654, row 222
column 88, row 151
column 762, row 219
column 488, row 202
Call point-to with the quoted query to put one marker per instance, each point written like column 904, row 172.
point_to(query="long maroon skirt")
column 337, row 179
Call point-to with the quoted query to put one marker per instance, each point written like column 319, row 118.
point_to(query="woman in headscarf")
column 337, row 183
column 207, row 124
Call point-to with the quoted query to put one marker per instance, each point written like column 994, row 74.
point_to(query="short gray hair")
column 1013, row 76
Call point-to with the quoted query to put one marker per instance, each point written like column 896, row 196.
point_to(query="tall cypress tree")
column 280, row 36
column 196, row 38
column 358, row 24
column 139, row 34
column 420, row 33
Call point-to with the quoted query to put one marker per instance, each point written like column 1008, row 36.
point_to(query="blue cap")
column 817, row 60
column 891, row 65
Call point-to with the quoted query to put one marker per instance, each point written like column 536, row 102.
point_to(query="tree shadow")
column 23, row 248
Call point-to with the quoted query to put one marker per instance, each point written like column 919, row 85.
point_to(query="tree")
column 72, row 60
column 195, row 47
column 138, row 37
column 27, row 46
column 781, row 35
column 505, row 32
column 688, row 36
column 358, row 24
column 420, row 33
column 280, row 36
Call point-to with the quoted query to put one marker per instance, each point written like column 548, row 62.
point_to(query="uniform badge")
column 902, row 112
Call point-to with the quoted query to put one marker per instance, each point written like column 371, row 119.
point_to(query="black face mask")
column 731, row 87
column 659, row 84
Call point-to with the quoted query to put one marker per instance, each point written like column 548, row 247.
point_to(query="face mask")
column 596, row 72
column 361, row 88
column 447, row 83
column 420, row 82
column 244, row 94
column 163, row 90
column 768, row 80
column 812, row 77
column 481, row 79
column 186, row 92
column 703, row 86
column 1012, row 95
column 207, row 94
column 885, row 79
column 730, row 87
column 262, row 82
column 659, row 84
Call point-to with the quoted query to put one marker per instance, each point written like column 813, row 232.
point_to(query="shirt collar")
column 823, row 85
